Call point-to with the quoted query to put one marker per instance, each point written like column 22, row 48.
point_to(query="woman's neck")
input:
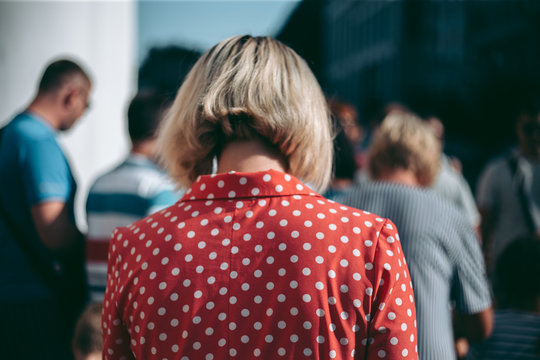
column 400, row 176
column 250, row 156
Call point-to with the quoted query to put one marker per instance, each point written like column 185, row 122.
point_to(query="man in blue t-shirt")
column 38, row 234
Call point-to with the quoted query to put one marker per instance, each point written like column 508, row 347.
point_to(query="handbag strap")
column 522, row 196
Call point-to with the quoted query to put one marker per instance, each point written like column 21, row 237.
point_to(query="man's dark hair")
column 145, row 112
column 57, row 73
column 517, row 273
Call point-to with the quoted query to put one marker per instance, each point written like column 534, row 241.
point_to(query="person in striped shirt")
column 439, row 243
column 134, row 189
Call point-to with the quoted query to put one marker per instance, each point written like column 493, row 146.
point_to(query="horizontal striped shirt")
column 131, row 191
column 443, row 255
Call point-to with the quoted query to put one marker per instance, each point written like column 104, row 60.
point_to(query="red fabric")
column 96, row 250
column 252, row 265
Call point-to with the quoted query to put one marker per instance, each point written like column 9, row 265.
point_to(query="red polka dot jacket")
column 257, row 265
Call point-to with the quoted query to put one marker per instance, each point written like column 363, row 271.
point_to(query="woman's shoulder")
column 356, row 215
column 157, row 222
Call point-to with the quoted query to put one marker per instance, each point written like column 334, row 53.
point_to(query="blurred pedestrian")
column 251, row 262
column 508, row 193
column 343, row 165
column 450, row 181
column 346, row 118
column 132, row 190
column 42, row 282
column 516, row 334
column 439, row 243
column 87, row 343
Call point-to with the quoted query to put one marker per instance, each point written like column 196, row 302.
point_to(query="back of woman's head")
column 404, row 141
column 247, row 88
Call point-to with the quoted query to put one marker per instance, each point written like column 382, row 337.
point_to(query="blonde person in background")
column 440, row 245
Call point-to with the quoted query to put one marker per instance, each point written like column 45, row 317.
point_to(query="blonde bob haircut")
column 404, row 141
column 247, row 88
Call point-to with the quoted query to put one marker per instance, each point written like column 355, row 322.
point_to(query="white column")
column 101, row 37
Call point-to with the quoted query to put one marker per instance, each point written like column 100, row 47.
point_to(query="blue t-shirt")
column 33, row 170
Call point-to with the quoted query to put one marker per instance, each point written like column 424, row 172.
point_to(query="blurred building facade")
column 469, row 62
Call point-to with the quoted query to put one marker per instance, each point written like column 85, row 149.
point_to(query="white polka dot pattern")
column 258, row 266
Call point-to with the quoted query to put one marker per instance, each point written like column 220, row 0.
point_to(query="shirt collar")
column 41, row 120
column 139, row 159
column 234, row 185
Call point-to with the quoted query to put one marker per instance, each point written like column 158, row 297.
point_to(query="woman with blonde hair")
column 251, row 262
column 440, row 245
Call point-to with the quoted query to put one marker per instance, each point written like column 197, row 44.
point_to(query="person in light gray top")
column 452, row 185
column 450, row 182
column 508, row 192
column 439, row 243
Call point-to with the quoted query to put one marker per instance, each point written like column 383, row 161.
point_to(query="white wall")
column 99, row 35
